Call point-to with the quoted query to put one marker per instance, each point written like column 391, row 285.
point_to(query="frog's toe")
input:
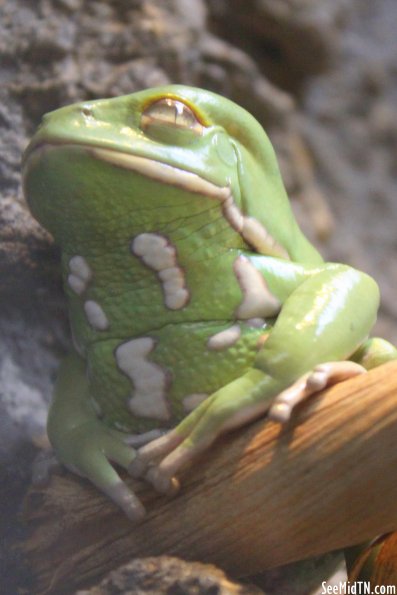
column 96, row 468
column 153, row 451
column 126, row 500
column 163, row 476
column 319, row 378
column 162, row 482
column 138, row 467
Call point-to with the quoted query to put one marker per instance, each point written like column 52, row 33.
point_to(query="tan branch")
column 262, row 497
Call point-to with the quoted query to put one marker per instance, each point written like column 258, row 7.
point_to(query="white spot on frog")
column 149, row 379
column 251, row 230
column 159, row 255
column 224, row 339
column 96, row 316
column 233, row 214
column 80, row 274
column 257, row 300
column 192, row 401
column 255, row 234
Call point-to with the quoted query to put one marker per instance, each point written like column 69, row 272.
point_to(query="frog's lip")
column 151, row 168
column 163, row 172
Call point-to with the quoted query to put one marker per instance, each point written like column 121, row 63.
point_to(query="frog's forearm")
column 324, row 319
column 283, row 276
column 83, row 444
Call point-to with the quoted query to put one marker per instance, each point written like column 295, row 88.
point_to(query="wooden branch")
column 265, row 496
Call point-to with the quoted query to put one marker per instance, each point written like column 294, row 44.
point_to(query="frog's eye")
column 169, row 115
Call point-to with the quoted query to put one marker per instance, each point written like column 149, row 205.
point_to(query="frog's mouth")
column 251, row 230
column 151, row 168
column 168, row 174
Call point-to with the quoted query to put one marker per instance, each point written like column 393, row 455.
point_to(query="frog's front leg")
column 324, row 319
column 83, row 443
column 372, row 353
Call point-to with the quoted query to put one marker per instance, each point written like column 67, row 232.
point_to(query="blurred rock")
column 349, row 124
column 164, row 575
column 290, row 39
column 91, row 49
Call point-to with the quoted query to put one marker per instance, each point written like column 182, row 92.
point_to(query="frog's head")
column 173, row 137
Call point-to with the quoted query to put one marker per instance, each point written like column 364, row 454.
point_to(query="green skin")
column 83, row 184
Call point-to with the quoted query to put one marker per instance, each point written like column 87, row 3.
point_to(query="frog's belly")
column 153, row 381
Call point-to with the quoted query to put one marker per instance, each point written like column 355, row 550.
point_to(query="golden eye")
column 171, row 113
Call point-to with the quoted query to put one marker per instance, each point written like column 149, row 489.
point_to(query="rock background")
column 319, row 74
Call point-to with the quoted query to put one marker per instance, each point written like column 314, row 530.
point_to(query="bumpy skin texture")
column 190, row 284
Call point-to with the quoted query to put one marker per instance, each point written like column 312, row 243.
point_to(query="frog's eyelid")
column 171, row 112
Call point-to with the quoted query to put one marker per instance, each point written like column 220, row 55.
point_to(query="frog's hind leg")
column 83, row 443
column 374, row 352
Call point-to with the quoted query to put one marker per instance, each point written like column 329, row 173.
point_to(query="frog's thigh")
column 325, row 319
column 374, row 352
column 322, row 323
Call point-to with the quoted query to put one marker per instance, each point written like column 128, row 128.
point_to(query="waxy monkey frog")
column 196, row 303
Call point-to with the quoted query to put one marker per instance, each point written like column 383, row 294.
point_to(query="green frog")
column 196, row 303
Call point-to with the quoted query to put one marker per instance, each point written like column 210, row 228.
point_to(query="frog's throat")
column 252, row 231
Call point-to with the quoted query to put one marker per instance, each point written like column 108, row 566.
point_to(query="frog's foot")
column 319, row 378
column 89, row 450
column 143, row 464
column 176, row 454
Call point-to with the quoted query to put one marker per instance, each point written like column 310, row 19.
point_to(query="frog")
column 196, row 303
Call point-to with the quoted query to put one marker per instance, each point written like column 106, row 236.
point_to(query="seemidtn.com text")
column 357, row 588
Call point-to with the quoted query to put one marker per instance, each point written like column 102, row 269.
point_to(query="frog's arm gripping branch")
column 317, row 485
